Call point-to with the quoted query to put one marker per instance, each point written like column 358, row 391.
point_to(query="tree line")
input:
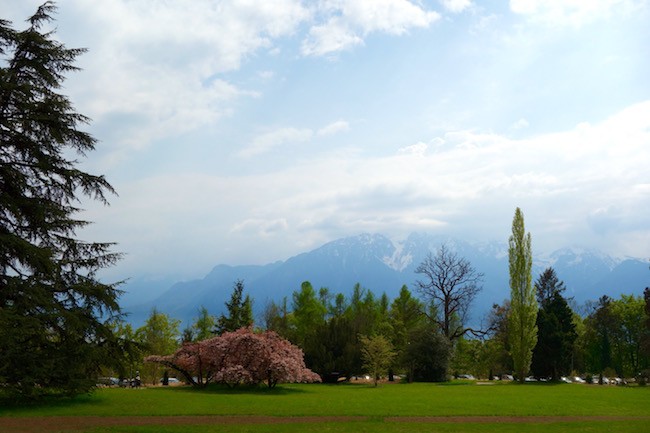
column 423, row 336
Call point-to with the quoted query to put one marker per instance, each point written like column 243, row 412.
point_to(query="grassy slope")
column 387, row 400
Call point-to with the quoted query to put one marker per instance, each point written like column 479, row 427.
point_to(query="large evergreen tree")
column 556, row 333
column 240, row 311
column 523, row 306
column 53, row 309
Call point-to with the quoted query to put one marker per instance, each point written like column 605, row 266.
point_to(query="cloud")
column 520, row 124
column 162, row 68
column 348, row 22
column 334, row 128
column 162, row 64
column 268, row 141
column 419, row 148
column 456, row 6
column 271, row 140
column 572, row 12
column 585, row 186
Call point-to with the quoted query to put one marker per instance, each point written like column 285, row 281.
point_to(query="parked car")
column 108, row 381
column 172, row 380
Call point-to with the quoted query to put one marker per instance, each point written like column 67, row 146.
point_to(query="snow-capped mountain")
column 381, row 265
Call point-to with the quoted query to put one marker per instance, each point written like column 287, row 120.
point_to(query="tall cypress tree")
column 523, row 305
column 53, row 309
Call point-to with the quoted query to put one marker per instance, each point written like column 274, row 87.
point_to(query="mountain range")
column 381, row 265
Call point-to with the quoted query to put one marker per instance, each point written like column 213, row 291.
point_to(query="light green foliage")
column 204, row 325
column 645, row 339
column 523, row 305
column 377, row 355
column 276, row 318
column 613, row 336
column 134, row 351
column 473, row 356
column 159, row 335
column 406, row 314
column 629, row 312
column 308, row 314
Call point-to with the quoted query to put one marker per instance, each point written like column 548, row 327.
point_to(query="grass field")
column 589, row 405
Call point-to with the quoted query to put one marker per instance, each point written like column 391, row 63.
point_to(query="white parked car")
column 172, row 381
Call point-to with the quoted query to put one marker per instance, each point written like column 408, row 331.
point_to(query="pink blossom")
column 240, row 357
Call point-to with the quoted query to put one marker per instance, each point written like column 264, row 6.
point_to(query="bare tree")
column 450, row 283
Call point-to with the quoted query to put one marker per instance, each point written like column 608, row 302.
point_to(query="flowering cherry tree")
column 239, row 357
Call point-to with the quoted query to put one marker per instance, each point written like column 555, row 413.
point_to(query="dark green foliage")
column 600, row 325
column 240, row 311
column 501, row 361
column 51, row 336
column 428, row 354
column 556, row 331
column 645, row 340
column 334, row 353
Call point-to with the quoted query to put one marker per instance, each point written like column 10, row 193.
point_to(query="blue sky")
column 243, row 132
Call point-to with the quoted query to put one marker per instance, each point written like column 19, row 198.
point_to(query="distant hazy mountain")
column 380, row 265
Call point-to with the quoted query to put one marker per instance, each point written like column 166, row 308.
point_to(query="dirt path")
column 54, row 424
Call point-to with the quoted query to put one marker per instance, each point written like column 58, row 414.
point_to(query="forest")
column 608, row 340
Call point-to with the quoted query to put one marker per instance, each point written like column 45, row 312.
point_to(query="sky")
column 245, row 132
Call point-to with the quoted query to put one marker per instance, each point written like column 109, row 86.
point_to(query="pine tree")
column 523, row 305
column 53, row 310
column 240, row 311
column 556, row 331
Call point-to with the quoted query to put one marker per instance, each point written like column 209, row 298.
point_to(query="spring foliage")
column 239, row 357
column 523, row 305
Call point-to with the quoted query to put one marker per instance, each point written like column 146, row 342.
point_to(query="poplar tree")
column 523, row 305
column 54, row 312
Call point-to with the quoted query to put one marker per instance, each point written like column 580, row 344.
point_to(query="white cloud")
column 419, row 148
column 347, row 22
column 520, row 124
column 584, row 186
column 572, row 12
column 456, row 6
column 268, row 141
column 334, row 128
column 157, row 66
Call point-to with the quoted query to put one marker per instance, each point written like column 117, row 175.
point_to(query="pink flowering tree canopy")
column 239, row 357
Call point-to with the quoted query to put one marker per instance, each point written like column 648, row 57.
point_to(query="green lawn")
column 401, row 400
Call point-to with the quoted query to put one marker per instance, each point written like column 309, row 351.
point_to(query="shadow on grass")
column 225, row 390
column 11, row 403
